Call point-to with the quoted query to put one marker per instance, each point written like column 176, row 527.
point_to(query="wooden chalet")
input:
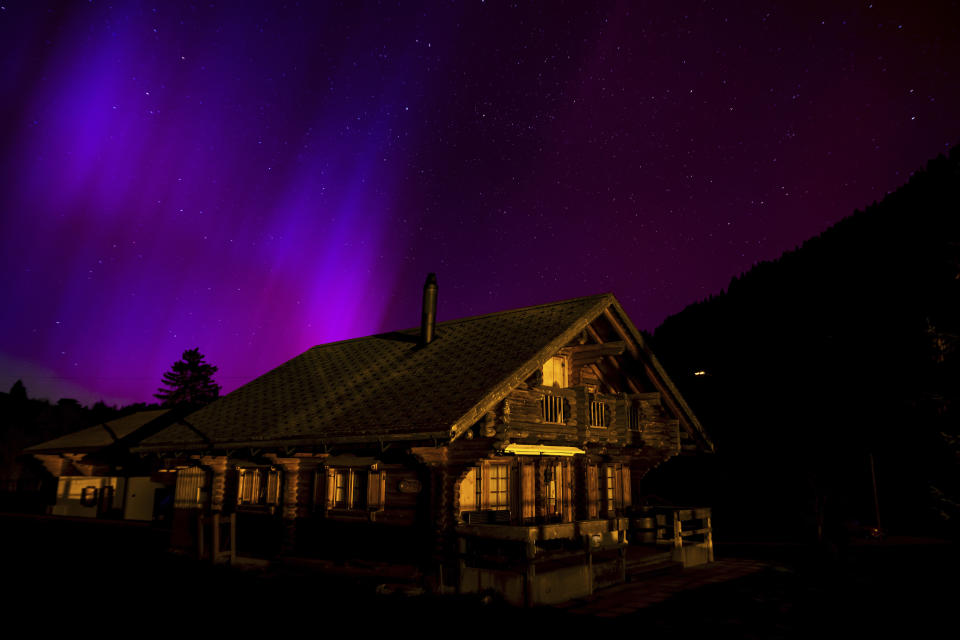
column 501, row 451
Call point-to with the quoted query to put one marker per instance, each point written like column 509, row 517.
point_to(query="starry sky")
column 254, row 178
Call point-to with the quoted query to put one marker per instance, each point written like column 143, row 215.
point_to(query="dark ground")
column 68, row 574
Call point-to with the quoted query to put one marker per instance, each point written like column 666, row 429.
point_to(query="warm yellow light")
column 541, row 450
column 700, row 373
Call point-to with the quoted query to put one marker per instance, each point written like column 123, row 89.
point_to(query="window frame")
column 356, row 484
column 266, row 481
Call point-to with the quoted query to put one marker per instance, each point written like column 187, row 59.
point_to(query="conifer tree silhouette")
column 190, row 381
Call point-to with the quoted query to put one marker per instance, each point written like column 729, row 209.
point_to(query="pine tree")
column 189, row 382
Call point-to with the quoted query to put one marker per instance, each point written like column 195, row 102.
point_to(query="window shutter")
column 273, row 486
column 617, row 488
column 567, row 492
column 331, row 486
column 189, row 488
column 593, row 492
column 375, row 489
column 527, row 491
column 625, row 483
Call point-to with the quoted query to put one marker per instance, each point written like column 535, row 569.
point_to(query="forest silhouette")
column 809, row 365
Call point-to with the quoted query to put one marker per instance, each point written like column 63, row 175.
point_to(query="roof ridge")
column 535, row 306
column 466, row 319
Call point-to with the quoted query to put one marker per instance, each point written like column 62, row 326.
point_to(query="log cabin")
column 501, row 451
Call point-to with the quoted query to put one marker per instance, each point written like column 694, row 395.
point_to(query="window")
column 486, row 488
column 616, row 488
column 498, row 490
column 610, row 487
column 555, row 372
column 555, row 490
column 354, row 489
column 633, row 417
column 191, row 483
column 258, row 486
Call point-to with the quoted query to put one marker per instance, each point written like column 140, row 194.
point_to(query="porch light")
column 541, row 450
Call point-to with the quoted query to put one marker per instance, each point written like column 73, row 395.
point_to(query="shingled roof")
column 388, row 386
column 99, row 436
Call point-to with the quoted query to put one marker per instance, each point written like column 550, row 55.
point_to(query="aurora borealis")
column 256, row 178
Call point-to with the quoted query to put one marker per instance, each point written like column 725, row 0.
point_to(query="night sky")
column 254, row 181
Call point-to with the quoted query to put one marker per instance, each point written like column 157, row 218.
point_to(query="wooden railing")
column 552, row 409
column 688, row 531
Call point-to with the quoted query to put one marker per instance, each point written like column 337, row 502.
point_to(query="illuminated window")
column 615, row 495
column 486, row 488
column 341, row 486
column 555, row 372
column 609, row 486
column 258, row 486
column 191, row 482
column 470, row 497
column 498, row 491
column 555, row 491
column 354, row 489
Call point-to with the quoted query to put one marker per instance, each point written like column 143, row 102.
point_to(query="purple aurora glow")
column 253, row 182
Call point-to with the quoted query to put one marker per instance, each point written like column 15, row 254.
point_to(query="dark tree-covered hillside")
column 840, row 350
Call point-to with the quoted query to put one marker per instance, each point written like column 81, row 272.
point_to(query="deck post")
column 707, row 522
column 215, row 552
column 586, row 544
column 530, row 576
column 200, row 524
column 290, row 505
column 233, row 538
column 677, row 537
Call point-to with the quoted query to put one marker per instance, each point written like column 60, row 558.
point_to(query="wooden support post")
column 215, row 551
column 623, row 564
column 218, row 480
column 677, row 538
column 461, row 561
column 531, row 573
column 708, row 523
column 290, row 505
column 586, row 542
column 200, row 524
column 233, row 538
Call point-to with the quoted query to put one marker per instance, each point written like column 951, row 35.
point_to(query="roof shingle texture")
column 98, row 437
column 380, row 385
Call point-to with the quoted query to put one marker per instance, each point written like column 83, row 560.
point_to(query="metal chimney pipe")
column 429, row 318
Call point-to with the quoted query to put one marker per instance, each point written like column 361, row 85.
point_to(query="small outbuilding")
column 97, row 475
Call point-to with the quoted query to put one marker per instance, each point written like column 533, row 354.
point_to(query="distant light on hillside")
column 700, row 373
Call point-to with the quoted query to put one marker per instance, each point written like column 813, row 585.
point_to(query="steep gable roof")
column 387, row 386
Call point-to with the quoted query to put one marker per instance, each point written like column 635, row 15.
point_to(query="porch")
column 544, row 563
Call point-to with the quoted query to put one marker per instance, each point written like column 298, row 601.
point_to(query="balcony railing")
column 552, row 409
column 599, row 413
